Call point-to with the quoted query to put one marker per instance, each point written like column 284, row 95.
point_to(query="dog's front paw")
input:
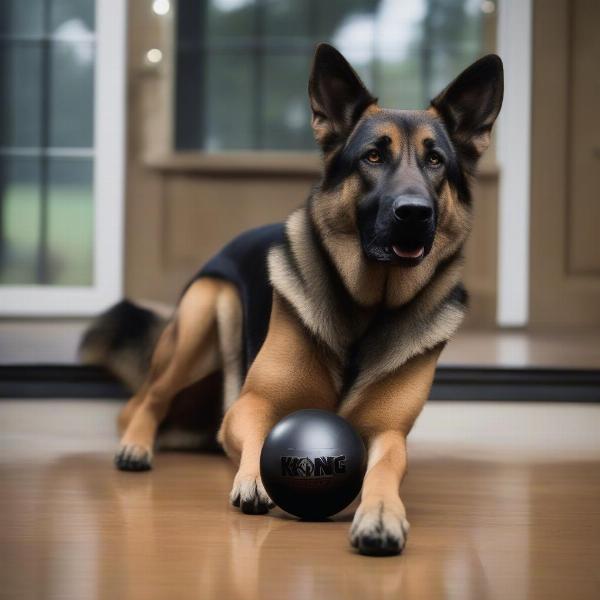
column 379, row 529
column 133, row 457
column 249, row 494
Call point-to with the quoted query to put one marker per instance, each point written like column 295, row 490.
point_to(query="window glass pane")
column 20, row 73
column 432, row 42
column 71, row 94
column 357, row 15
column 22, row 17
column 234, row 19
column 70, row 222
column 405, row 52
column 231, row 102
column 190, row 101
column 286, row 119
column 453, row 60
column 19, row 220
column 72, row 17
column 288, row 20
column 400, row 81
column 46, row 202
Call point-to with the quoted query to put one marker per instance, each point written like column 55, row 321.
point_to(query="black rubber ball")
column 312, row 463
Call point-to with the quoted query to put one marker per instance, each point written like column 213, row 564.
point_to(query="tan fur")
column 397, row 140
column 229, row 318
column 291, row 371
column 313, row 308
column 384, row 414
column 186, row 352
column 334, row 214
column 388, row 323
column 426, row 319
column 365, row 282
column 288, row 374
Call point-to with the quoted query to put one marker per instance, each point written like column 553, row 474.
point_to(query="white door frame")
column 108, row 186
column 515, row 39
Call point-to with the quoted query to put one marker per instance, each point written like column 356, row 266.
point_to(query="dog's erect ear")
column 470, row 104
column 337, row 97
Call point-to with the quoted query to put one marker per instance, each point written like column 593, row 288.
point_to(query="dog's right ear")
column 338, row 97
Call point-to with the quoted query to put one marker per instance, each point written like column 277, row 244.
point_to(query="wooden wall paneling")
column 481, row 254
column 560, row 296
column 584, row 140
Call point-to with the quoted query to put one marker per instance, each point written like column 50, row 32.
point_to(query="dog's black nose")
column 412, row 209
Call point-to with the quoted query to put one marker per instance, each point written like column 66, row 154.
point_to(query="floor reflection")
column 171, row 533
column 485, row 525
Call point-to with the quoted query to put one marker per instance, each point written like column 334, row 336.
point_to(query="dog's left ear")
column 337, row 97
column 470, row 104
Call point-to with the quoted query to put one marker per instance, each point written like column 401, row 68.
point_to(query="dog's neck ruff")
column 376, row 342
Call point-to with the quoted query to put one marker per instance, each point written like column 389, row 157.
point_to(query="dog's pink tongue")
column 408, row 253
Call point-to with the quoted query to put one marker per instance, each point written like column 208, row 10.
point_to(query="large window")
column 47, row 50
column 242, row 65
column 61, row 93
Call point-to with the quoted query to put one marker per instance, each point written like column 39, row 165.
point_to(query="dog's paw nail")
column 377, row 545
column 254, row 506
column 379, row 532
column 250, row 496
column 133, row 457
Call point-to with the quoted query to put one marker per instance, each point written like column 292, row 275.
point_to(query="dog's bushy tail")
column 122, row 340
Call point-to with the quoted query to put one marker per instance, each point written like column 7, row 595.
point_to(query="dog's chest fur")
column 362, row 345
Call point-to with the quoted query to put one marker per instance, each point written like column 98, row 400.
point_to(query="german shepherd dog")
column 345, row 307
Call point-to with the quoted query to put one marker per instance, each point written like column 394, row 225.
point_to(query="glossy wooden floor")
column 510, row 517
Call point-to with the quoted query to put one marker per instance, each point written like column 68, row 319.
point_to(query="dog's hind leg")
column 187, row 351
column 162, row 353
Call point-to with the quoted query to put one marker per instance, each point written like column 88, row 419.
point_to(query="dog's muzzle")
column 412, row 227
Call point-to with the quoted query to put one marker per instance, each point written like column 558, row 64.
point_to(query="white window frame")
column 515, row 46
column 108, row 186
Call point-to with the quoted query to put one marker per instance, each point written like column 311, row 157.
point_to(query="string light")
column 161, row 7
column 154, row 56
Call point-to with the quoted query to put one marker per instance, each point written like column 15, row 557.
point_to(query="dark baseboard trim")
column 451, row 383
column 59, row 381
column 516, row 384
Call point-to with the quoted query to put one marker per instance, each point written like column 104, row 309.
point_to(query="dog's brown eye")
column 373, row 156
column 434, row 159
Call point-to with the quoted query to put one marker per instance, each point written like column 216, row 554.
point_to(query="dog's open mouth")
column 407, row 254
column 413, row 253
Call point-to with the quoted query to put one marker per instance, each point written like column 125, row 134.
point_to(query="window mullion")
column 43, row 250
column 259, row 74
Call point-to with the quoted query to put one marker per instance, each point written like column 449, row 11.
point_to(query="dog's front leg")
column 384, row 414
column 288, row 374
column 380, row 526
column 242, row 433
